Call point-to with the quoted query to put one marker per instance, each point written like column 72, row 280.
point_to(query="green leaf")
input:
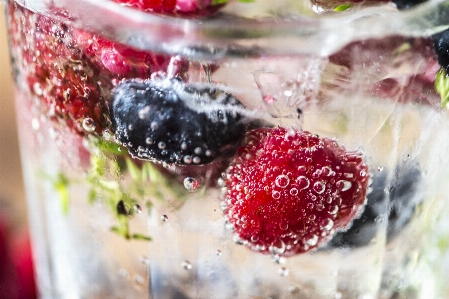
column 442, row 87
column 141, row 237
column 61, row 185
column 110, row 147
column 247, row 1
column 218, row 2
column 342, row 7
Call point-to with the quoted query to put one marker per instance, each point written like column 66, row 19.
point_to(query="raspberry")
column 184, row 8
column 289, row 191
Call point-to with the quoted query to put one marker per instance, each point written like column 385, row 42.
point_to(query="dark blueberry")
column 405, row 4
column 169, row 121
column 441, row 46
column 396, row 201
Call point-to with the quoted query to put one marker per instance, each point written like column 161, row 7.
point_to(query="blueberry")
column 172, row 122
column 398, row 204
column 405, row 4
column 441, row 46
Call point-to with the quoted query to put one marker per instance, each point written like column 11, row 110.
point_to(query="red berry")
column 185, row 8
column 289, row 191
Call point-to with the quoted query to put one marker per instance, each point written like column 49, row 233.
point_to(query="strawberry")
column 184, row 8
column 289, row 191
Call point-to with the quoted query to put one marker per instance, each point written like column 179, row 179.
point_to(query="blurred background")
column 12, row 199
column 16, row 266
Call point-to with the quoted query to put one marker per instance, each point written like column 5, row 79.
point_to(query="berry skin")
column 406, row 4
column 399, row 206
column 184, row 8
column 168, row 121
column 441, row 47
column 289, row 191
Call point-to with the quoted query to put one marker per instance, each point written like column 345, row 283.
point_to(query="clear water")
column 192, row 253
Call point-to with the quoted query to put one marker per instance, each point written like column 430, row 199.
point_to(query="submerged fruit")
column 169, row 121
column 288, row 191
column 395, row 201
column 190, row 8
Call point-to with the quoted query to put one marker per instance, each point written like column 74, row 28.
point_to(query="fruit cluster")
column 288, row 191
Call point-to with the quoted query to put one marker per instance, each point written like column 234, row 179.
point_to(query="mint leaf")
column 342, row 7
column 61, row 185
column 442, row 87
column 218, row 2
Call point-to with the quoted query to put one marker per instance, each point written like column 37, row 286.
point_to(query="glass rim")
column 215, row 38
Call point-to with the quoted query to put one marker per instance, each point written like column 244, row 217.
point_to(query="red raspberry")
column 71, row 72
column 185, row 8
column 289, row 191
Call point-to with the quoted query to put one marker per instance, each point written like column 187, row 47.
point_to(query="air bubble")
column 312, row 241
column 154, row 125
column 208, row 153
column 380, row 168
column 88, row 124
column 276, row 194
column 303, row 182
column 344, row 185
column 319, row 187
column 149, row 140
column 164, row 218
column 196, row 160
column 186, row 265
column 137, row 209
column 282, row 181
column 277, row 249
column 294, row 191
column 183, row 146
column 327, row 224
column 333, row 210
column 190, row 183
column 198, row 150
column 283, row 271
column 218, row 252
column 161, row 145
column 143, row 113
column 187, row 159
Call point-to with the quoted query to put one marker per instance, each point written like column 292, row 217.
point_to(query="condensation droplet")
column 196, row 160
column 319, row 187
column 208, row 153
column 183, row 146
column 89, row 124
column 35, row 124
column 139, row 279
column 283, row 271
column 149, row 140
column 161, row 145
column 276, row 194
column 190, row 183
column 282, row 181
column 164, row 218
column 186, row 265
column 198, row 150
column 344, row 185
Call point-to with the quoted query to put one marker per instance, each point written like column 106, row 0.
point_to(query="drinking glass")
column 118, row 210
